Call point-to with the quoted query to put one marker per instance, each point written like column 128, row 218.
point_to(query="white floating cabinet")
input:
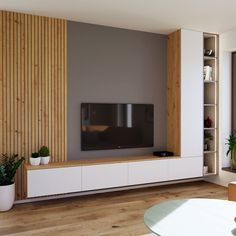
column 104, row 176
column 45, row 182
column 61, row 180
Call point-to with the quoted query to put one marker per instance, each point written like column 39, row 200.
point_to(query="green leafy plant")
column 207, row 137
column 231, row 145
column 8, row 168
column 44, row 151
column 35, row 155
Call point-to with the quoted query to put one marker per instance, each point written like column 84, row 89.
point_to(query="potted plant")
column 8, row 168
column 35, row 159
column 231, row 149
column 207, row 138
column 44, row 154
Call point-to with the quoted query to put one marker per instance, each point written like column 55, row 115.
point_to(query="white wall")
column 227, row 45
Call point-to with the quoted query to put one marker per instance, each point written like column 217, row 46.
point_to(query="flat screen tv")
column 116, row 126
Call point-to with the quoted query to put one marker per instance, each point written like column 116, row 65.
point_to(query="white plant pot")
column 45, row 160
column 7, row 197
column 35, row 161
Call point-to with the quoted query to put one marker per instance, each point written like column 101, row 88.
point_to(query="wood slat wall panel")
column 33, row 77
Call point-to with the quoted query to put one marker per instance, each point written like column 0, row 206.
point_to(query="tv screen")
column 115, row 126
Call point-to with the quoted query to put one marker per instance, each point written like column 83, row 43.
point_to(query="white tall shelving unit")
column 211, row 104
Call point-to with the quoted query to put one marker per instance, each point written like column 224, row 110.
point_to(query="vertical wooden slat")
column 49, row 108
column 33, row 72
column 11, row 87
column 65, row 91
column 21, row 90
column 8, row 86
column 36, row 85
column 4, row 83
column 16, row 97
column 1, row 80
column 59, row 87
column 24, row 93
column 52, row 124
column 55, row 91
column 32, row 87
column 62, row 86
column 42, row 92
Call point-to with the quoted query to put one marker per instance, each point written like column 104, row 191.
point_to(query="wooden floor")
column 110, row 214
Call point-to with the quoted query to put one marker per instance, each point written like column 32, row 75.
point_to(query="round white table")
column 192, row 217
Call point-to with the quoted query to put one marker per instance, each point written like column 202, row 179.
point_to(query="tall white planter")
column 7, row 197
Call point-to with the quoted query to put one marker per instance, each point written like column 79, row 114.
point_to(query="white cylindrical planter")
column 45, row 160
column 7, row 197
column 35, row 161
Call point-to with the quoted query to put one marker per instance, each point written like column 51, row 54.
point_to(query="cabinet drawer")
column 104, row 176
column 53, row 181
column 184, row 168
column 148, row 172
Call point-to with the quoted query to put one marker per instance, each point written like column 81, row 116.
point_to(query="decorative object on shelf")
column 231, row 149
column 205, row 170
column 208, row 52
column 8, row 168
column 44, row 155
column 35, row 159
column 207, row 138
column 163, row 154
column 208, row 122
column 207, row 72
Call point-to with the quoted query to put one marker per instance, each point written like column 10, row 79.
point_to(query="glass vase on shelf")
column 233, row 160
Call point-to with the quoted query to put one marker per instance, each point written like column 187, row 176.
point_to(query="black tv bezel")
column 115, row 147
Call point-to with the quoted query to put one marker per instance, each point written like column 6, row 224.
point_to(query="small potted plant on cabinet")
column 231, row 150
column 44, row 154
column 35, row 159
column 207, row 138
column 8, row 168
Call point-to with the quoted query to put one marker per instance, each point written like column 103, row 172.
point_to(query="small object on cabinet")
column 205, row 170
column 35, row 159
column 208, row 52
column 208, row 137
column 163, row 154
column 207, row 72
column 208, row 122
column 45, row 156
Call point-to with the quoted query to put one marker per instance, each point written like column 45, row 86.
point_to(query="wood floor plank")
column 107, row 214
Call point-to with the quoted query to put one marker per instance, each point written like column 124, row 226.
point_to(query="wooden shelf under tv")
column 98, row 161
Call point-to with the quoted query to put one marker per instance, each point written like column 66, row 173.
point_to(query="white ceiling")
column 158, row 16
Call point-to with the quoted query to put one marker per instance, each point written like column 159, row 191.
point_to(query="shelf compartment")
column 211, row 143
column 210, row 161
column 209, row 93
column 210, row 111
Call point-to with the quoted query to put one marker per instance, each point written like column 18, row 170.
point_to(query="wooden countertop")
column 98, row 161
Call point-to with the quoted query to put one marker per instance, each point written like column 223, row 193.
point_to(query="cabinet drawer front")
column 53, row 181
column 183, row 168
column 148, row 172
column 104, row 176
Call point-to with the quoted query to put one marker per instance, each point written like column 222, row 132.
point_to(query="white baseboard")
column 105, row 190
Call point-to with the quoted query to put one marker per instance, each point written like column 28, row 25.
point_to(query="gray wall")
column 108, row 65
